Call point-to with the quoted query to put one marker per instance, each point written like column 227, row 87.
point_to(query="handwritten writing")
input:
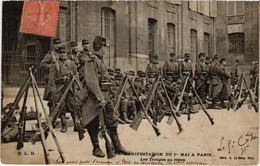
column 242, row 143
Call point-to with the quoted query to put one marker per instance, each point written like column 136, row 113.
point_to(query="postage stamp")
column 40, row 17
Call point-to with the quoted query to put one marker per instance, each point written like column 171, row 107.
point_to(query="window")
column 193, row 39
column 171, row 38
column 235, row 8
column 236, row 43
column 151, row 36
column 108, row 31
column 206, row 44
column 31, row 52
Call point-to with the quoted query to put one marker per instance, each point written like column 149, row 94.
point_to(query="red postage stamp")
column 40, row 17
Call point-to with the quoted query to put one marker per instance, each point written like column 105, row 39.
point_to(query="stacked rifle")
column 240, row 98
column 152, row 114
column 42, row 131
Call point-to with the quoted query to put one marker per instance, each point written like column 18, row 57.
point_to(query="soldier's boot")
column 119, row 149
column 63, row 123
column 125, row 118
column 96, row 149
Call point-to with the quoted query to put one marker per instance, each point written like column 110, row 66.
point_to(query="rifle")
column 239, row 100
column 77, row 118
column 170, row 104
column 22, row 123
column 136, row 122
column 45, row 149
column 55, row 113
column 49, row 125
column 122, row 90
column 109, row 148
column 252, row 96
column 14, row 105
column 170, row 120
column 202, row 105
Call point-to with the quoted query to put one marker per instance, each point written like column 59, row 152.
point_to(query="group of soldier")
column 213, row 83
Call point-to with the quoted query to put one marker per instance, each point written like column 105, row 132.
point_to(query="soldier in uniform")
column 62, row 77
column 74, row 53
column 254, row 76
column 171, row 66
column 94, row 71
column 185, row 67
column 200, row 76
column 225, row 93
column 234, row 73
column 216, row 84
column 153, row 67
column 49, row 59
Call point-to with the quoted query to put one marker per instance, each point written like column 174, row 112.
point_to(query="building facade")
column 237, row 31
column 134, row 30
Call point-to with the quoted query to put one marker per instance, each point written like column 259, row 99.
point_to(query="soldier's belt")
column 105, row 86
column 61, row 80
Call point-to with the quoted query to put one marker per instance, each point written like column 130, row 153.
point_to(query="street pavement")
column 234, row 135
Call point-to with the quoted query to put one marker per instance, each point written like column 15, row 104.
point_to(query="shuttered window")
column 108, row 31
column 193, row 39
column 171, row 38
column 235, row 8
column 151, row 36
column 206, row 44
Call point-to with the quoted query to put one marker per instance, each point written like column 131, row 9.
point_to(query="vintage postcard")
column 130, row 82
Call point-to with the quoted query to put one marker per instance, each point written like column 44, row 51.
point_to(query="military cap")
column 131, row 73
column 201, row 54
column 56, row 41
column 215, row 57
column 237, row 61
column 208, row 58
column 155, row 56
column 117, row 70
column 172, row 54
column 110, row 71
column 62, row 48
column 138, row 72
column 100, row 41
column 118, row 76
column 142, row 74
column 73, row 43
column 187, row 55
column 222, row 60
column 85, row 42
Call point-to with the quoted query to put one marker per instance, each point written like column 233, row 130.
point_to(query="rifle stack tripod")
column 148, row 113
column 23, row 91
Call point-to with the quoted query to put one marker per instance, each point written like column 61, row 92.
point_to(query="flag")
column 40, row 17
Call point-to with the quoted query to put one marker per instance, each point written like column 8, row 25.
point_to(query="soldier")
column 200, row 76
column 171, row 66
column 234, row 73
column 62, row 77
column 153, row 67
column 225, row 93
column 82, row 55
column 254, row 76
column 185, row 67
column 216, row 84
column 94, row 71
column 49, row 59
column 74, row 53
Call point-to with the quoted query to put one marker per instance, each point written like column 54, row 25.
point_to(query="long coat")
column 48, row 61
column 199, row 77
column 216, row 84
